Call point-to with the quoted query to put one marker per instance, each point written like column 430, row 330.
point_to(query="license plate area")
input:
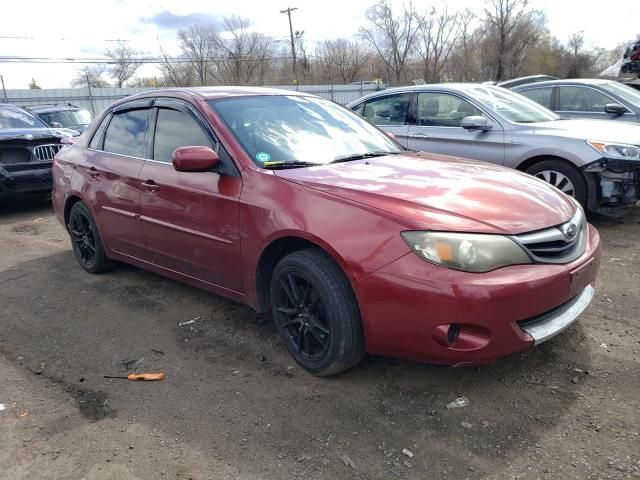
column 581, row 277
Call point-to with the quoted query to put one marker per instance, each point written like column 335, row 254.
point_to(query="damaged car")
column 294, row 205
column 595, row 161
column 27, row 148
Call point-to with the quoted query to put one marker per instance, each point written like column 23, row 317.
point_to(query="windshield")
column 512, row 106
column 625, row 92
column 280, row 130
column 12, row 117
column 68, row 118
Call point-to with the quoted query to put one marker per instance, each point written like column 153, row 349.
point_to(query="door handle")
column 419, row 135
column 151, row 186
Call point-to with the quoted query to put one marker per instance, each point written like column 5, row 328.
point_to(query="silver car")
column 597, row 162
column 585, row 98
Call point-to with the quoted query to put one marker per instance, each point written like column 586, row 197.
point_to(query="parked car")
column 586, row 98
column 514, row 82
column 596, row 162
column 63, row 116
column 27, row 148
column 292, row 204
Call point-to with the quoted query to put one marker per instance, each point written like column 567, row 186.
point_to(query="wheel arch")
column 276, row 249
column 70, row 201
column 531, row 161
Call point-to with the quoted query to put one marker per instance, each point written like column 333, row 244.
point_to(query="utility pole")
column 293, row 44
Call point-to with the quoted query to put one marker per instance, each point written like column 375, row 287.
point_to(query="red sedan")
column 296, row 206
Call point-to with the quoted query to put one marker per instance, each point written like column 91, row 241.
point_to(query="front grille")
column 555, row 244
column 46, row 152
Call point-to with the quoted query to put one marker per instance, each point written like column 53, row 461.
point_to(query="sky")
column 91, row 27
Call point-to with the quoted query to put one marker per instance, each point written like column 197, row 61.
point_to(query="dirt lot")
column 233, row 404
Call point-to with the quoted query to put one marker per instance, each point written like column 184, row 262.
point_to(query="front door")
column 390, row 114
column 190, row 219
column 577, row 101
column 438, row 129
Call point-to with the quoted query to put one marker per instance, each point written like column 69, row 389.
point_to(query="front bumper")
column 410, row 306
column 27, row 178
column 550, row 324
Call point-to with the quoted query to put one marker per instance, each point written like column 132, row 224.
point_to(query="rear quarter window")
column 96, row 140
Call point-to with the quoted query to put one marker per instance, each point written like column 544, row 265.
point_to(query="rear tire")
column 316, row 313
column 85, row 240
column 563, row 176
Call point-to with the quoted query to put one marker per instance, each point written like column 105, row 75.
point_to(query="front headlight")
column 470, row 252
column 616, row 150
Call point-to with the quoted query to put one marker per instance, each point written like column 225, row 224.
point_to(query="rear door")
column 114, row 160
column 190, row 219
column 438, row 129
column 389, row 112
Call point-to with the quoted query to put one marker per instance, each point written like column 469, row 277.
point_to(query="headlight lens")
column 470, row 252
column 616, row 150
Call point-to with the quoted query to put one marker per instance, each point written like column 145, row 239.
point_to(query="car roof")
column 524, row 80
column 440, row 87
column 570, row 81
column 51, row 108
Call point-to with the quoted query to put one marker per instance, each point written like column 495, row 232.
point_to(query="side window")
column 443, row 110
column 582, row 99
column 389, row 110
column 97, row 136
column 126, row 133
column 359, row 109
column 539, row 95
column 176, row 129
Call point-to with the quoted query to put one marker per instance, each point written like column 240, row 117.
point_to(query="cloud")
column 170, row 21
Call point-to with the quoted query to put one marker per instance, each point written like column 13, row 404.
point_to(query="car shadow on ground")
column 230, row 381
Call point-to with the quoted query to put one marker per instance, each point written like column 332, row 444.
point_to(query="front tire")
column 85, row 240
column 316, row 313
column 563, row 176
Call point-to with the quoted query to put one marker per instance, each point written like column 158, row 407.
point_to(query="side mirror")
column 614, row 108
column 56, row 125
column 194, row 159
column 476, row 122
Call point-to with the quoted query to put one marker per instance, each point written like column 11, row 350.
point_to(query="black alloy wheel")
column 86, row 241
column 301, row 316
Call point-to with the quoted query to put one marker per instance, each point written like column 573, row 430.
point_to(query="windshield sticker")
column 263, row 157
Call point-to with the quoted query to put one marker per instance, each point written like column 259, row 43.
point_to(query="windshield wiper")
column 288, row 164
column 361, row 156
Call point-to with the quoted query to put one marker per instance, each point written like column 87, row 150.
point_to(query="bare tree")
column 90, row 77
column 576, row 42
column 198, row 44
column 247, row 53
column 463, row 64
column 176, row 73
column 437, row 32
column 124, row 63
column 342, row 59
column 393, row 38
column 503, row 18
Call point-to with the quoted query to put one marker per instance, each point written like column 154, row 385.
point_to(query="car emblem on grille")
column 569, row 230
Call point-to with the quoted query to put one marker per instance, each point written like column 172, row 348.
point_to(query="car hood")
column 443, row 193
column 30, row 134
column 583, row 129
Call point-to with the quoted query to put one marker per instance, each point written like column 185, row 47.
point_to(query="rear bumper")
column 24, row 179
column 409, row 307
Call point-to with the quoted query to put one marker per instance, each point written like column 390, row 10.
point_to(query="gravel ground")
column 235, row 406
